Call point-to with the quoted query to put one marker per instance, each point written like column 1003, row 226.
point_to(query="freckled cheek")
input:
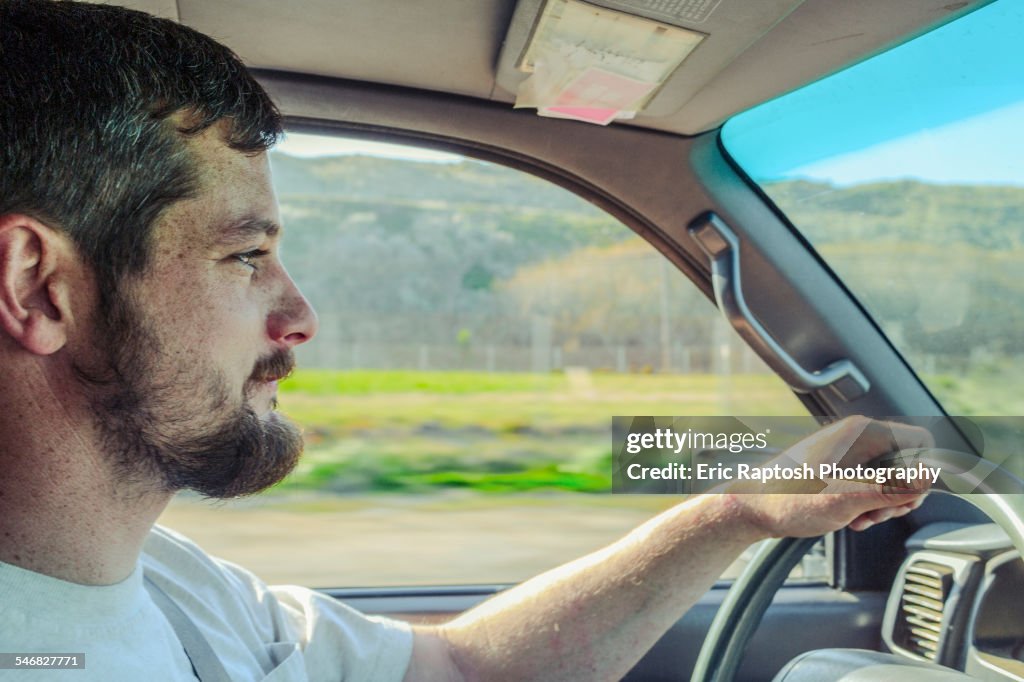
column 227, row 321
column 199, row 315
column 214, row 340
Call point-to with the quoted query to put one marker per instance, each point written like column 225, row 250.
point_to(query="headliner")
column 755, row 50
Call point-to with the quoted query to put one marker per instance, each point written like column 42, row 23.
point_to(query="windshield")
column 906, row 174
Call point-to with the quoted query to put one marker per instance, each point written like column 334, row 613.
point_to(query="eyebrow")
column 244, row 230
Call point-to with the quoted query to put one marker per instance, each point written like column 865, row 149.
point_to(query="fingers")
column 871, row 518
column 876, row 438
column 858, row 440
column 876, row 516
column 860, row 523
column 882, row 494
column 858, row 494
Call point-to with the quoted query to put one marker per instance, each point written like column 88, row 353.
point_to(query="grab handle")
column 720, row 244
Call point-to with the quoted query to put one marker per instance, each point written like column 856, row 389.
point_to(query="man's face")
column 189, row 359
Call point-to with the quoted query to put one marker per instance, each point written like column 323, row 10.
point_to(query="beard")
column 174, row 428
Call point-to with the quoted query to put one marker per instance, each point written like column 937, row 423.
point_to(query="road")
column 377, row 540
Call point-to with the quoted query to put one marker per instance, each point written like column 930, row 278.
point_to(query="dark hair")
column 86, row 140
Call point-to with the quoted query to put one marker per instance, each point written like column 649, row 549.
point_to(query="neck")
column 63, row 511
column 66, row 531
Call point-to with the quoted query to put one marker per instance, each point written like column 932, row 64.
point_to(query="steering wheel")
column 753, row 590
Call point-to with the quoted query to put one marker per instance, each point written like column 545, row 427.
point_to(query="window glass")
column 478, row 330
column 905, row 172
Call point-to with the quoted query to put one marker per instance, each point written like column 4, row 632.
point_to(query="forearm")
column 595, row 617
column 592, row 619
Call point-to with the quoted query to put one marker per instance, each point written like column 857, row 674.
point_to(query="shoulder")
column 164, row 545
column 210, row 590
column 170, row 557
column 331, row 635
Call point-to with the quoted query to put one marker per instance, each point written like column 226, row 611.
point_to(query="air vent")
column 926, row 586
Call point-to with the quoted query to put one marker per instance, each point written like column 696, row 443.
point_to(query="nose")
column 293, row 321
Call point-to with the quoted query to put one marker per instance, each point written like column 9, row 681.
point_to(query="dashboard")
column 958, row 600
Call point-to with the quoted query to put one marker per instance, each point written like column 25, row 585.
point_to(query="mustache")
column 274, row 367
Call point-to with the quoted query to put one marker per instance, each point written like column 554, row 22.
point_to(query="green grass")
column 407, row 431
column 506, row 402
column 368, row 382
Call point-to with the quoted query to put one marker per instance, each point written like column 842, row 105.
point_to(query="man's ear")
column 35, row 290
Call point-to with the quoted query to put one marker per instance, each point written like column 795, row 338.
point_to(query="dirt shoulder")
column 375, row 540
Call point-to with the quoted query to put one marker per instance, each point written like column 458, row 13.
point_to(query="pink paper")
column 599, row 89
column 588, row 114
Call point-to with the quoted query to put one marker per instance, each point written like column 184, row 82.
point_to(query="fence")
column 720, row 359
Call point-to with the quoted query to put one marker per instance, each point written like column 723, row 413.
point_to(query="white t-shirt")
column 260, row 633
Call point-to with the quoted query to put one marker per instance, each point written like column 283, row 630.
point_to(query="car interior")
column 936, row 595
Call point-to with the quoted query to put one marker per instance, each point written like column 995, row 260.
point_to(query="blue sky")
column 945, row 108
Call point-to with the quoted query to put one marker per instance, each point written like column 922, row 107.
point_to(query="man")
column 145, row 319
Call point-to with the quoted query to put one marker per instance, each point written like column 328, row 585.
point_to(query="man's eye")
column 249, row 258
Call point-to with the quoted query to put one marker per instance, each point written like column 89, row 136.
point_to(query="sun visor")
column 596, row 64
column 605, row 60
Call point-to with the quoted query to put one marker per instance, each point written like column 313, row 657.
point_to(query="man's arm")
column 594, row 618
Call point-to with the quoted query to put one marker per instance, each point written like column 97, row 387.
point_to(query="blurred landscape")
column 468, row 266
column 480, row 327
column 453, row 477
column 939, row 268
column 417, row 432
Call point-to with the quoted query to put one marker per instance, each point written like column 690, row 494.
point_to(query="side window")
column 479, row 328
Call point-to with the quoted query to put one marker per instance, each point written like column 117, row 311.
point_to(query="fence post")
column 540, row 343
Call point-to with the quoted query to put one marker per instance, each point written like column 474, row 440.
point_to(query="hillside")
column 990, row 217
column 469, row 254
column 372, row 179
